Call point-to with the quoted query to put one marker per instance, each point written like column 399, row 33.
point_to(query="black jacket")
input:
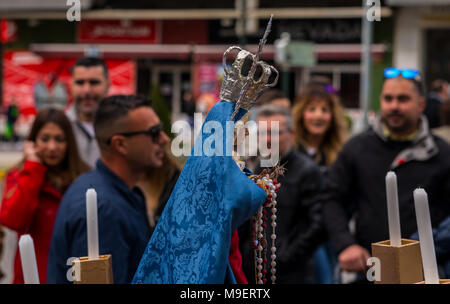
column 299, row 223
column 358, row 177
column 322, row 162
column 432, row 110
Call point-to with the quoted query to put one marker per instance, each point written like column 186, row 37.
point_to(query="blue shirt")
column 122, row 225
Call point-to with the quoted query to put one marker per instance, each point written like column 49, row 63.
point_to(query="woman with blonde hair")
column 320, row 132
column 320, row 125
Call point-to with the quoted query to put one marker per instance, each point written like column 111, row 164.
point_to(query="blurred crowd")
column 331, row 203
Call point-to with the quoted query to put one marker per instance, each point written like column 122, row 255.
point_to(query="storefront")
column 181, row 57
column 422, row 31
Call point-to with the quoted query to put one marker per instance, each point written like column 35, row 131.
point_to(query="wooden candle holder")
column 93, row 271
column 442, row 281
column 399, row 264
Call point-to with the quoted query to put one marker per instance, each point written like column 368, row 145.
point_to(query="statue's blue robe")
column 212, row 198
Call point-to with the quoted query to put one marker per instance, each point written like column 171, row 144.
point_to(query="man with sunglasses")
column 89, row 85
column 131, row 141
column 399, row 140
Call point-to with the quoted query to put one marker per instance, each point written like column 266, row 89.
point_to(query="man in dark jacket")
column 131, row 140
column 400, row 141
column 299, row 218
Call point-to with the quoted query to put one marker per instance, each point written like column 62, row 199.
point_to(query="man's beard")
column 404, row 126
column 81, row 108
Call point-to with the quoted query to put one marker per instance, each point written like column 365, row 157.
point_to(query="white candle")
column 92, row 223
column 28, row 258
column 393, row 210
column 426, row 237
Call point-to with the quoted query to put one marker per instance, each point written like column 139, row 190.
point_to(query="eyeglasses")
column 154, row 132
column 411, row 74
column 406, row 73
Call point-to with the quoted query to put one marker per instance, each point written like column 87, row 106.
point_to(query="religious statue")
column 215, row 193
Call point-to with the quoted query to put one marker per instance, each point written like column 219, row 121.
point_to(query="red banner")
column 116, row 31
column 27, row 75
column 206, row 83
column 8, row 31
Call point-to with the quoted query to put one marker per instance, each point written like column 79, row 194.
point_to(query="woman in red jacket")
column 35, row 186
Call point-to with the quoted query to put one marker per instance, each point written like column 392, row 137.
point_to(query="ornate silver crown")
column 247, row 76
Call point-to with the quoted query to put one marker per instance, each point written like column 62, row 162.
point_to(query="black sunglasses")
column 154, row 132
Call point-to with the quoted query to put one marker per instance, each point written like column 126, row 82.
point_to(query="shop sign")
column 117, row 31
